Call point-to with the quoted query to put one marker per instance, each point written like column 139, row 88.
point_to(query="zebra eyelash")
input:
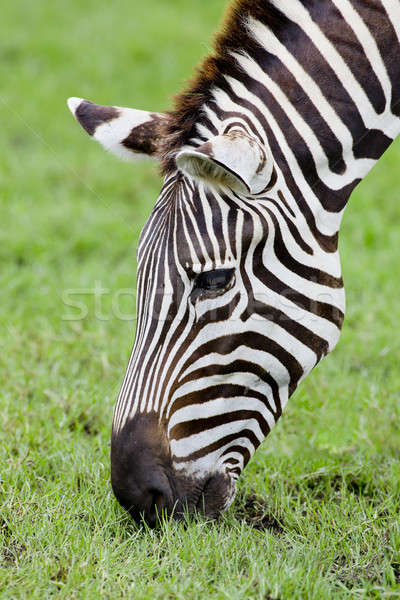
column 211, row 284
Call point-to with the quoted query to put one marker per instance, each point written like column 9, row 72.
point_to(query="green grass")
column 70, row 217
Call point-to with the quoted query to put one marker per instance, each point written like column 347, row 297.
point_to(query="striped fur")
column 318, row 83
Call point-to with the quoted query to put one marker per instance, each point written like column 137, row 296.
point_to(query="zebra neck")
column 320, row 81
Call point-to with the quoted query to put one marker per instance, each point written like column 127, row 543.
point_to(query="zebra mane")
column 180, row 125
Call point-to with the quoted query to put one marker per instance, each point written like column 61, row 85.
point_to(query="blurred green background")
column 70, row 217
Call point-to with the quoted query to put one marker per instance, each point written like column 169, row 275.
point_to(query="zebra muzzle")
column 148, row 486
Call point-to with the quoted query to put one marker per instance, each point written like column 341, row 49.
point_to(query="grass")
column 327, row 525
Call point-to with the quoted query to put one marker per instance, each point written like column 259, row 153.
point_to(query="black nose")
column 148, row 503
column 139, row 470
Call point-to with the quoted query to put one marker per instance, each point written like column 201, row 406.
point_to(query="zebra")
column 240, row 292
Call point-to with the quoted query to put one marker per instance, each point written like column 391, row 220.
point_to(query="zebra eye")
column 213, row 281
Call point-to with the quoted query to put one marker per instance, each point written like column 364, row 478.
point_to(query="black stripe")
column 247, row 433
column 195, row 426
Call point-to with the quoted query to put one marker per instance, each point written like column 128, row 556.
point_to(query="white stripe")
column 369, row 46
column 392, row 8
column 198, row 441
column 333, row 180
column 270, row 42
column 296, row 12
column 221, row 406
column 327, row 222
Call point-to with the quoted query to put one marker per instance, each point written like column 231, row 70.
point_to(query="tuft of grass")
column 318, row 509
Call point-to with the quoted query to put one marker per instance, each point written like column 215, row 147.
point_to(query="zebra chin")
column 147, row 484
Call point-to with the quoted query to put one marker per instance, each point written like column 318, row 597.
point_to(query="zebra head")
column 234, row 309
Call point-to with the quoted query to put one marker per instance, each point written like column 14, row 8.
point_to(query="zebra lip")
column 212, row 498
column 200, row 505
column 198, row 500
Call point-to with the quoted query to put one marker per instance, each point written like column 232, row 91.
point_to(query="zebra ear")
column 125, row 132
column 234, row 159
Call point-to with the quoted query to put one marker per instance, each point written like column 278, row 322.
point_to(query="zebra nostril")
column 158, row 507
column 141, row 471
column 148, row 504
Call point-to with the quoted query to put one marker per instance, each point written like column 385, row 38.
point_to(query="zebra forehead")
column 209, row 229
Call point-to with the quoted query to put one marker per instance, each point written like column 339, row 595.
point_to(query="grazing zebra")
column 240, row 291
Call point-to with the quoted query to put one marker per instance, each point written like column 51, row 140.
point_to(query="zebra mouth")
column 215, row 495
column 147, row 484
column 200, row 505
column 208, row 498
